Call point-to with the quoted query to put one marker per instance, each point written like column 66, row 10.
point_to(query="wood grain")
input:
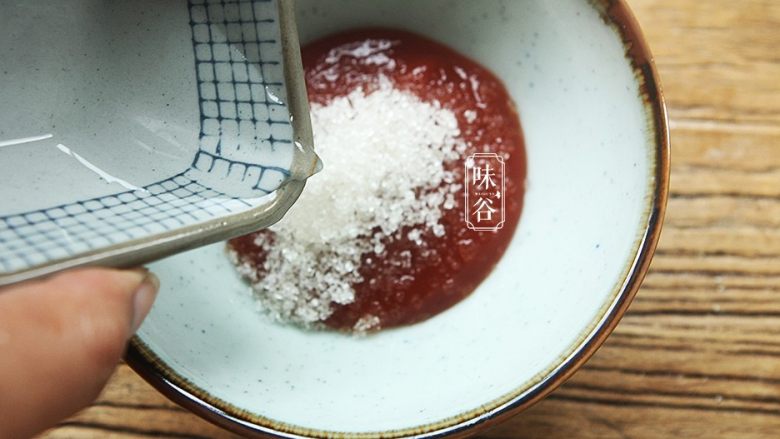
column 698, row 354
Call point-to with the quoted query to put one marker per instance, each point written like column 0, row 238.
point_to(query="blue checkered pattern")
column 245, row 141
column 240, row 84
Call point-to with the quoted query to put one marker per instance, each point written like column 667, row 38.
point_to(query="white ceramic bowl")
column 598, row 162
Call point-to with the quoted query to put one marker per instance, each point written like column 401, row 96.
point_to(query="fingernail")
column 144, row 298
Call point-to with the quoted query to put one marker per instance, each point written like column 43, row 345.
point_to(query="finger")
column 61, row 338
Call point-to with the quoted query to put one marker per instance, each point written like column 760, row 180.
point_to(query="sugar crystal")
column 384, row 154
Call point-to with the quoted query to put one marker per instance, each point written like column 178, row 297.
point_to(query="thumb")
column 61, row 339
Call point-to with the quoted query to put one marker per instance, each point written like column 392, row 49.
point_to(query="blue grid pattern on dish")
column 241, row 97
column 32, row 238
column 240, row 85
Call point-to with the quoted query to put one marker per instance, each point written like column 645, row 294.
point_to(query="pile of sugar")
column 384, row 155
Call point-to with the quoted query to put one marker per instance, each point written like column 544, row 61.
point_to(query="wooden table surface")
column 698, row 354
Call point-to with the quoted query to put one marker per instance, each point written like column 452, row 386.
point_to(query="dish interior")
column 590, row 149
column 152, row 116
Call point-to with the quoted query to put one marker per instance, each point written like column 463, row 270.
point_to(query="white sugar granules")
column 384, row 155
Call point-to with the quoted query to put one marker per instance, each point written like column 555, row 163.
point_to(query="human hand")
column 60, row 340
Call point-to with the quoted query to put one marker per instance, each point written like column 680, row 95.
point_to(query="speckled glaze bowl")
column 598, row 163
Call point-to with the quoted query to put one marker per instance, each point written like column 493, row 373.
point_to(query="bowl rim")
column 615, row 13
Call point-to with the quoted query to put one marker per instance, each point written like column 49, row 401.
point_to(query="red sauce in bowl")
column 408, row 282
